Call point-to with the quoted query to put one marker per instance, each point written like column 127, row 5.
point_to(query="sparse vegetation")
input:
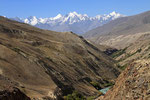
column 49, row 58
column 108, row 84
column 77, row 96
column 74, row 96
column 118, row 53
column 95, row 84
column 129, row 55
column 16, row 49
column 122, row 67
column 91, row 98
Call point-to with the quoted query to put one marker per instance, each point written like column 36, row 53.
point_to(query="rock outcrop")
column 13, row 94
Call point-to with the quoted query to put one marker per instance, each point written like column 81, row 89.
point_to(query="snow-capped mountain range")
column 77, row 23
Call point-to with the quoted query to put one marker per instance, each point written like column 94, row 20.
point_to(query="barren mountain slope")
column 50, row 64
column 138, row 50
column 121, row 32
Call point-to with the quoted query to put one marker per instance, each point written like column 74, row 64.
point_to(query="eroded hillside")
column 138, row 50
column 47, row 64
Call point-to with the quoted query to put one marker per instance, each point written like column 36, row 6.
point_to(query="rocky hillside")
column 131, row 36
column 138, row 50
column 13, row 94
column 47, row 64
column 132, row 84
column 121, row 32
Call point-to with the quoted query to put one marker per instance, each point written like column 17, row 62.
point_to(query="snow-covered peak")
column 98, row 17
column 113, row 13
column 85, row 15
column 72, row 14
column 57, row 17
column 70, row 20
column 31, row 20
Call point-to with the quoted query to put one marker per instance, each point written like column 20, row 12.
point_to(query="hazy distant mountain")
column 77, row 23
column 121, row 32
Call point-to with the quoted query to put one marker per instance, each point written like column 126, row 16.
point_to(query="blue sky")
column 50, row 8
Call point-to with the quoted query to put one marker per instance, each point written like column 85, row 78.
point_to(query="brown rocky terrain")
column 13, row 94
column 46, row 64
column 138, row 50
column 132, row 84
column 131, row 36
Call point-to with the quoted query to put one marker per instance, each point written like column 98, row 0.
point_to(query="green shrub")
column 74, row 96
column 129, row 55
column 91, row 98
column 16, row 49
column 108, row 84
column 122, row 67
column 118, row 53
column 95, row 84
